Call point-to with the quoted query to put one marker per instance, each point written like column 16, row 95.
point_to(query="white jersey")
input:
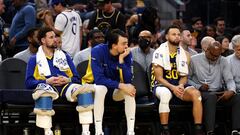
column 69, row 22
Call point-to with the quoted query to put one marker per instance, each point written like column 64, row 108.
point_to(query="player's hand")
column 62, row 80
column 123, row 55
column 178, row 91
column 204, row 87
column 12, row 43
column 226, row 95
column 52, row 81
column 128, row 89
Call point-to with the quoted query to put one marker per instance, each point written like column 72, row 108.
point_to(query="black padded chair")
column 145, row 107
column 15, row 98
column 82, row 68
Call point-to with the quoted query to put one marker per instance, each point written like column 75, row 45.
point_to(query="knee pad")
column 75, row 89
column 165, row 96
column 85, row 102
column 45, row 90
column 44, row 95
column 84, row 97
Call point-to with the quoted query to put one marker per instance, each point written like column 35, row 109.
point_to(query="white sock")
column 85, row 127
column 100, row 92
column 130, row 110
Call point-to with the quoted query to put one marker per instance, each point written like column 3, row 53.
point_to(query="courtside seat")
column 146, row 112
column 15, row 98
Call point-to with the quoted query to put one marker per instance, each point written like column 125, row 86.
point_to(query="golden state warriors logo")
column 104, row 27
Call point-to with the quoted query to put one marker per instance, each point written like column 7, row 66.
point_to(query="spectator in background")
column 33, row 45
column 143, row 53
column 205, row 42
column 208, row 71
column 208, row 30
column 186, row 39
column 234, row 61
column 94, row 38
column 194, row 44
column 24, row 19
column 106, row 17
column 224, row 41
column 2, row 10
column 197, row 27
column 220, row 26
column 68, row 25
column 139, row 22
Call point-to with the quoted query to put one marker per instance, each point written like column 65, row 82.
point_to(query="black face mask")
column 143, row 43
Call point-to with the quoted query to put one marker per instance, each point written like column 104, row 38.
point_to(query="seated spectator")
column 197, row 27
column 186, row 40
column 208, row 71
column 234, row 61
column 205, row 42
column 220, row 25
column 33, row 45
column 224, row 41
column 143, row 53
column 95, row 37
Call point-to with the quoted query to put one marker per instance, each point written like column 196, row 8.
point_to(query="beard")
column 35, row 44
column 174, row 42
column 54, row 46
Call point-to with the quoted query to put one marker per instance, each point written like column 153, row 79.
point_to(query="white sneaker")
column 131, row 133
column 235, row 132
column 99, row 133
column 86, row 133
column 48, row 132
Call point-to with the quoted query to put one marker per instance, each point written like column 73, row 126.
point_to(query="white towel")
column 162, row 58
column 59, row 60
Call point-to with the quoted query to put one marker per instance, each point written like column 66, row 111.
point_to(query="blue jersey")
column 33, row 77
column 105, row 69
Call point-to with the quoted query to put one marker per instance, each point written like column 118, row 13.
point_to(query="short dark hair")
column 56, row 2
column 42, row 32
column 220, row 38
column 113, row 36
column 172, row 27
column 195, row 19
column 31, row 31
column 218, row 19
column 92, row 32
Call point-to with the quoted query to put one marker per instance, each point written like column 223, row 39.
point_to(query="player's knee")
column 84, row 96
column 100, row 89
column 163, row 94
column 195, row 94
column 44, row 95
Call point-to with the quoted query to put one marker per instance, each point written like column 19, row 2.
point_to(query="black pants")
column 209, row 100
